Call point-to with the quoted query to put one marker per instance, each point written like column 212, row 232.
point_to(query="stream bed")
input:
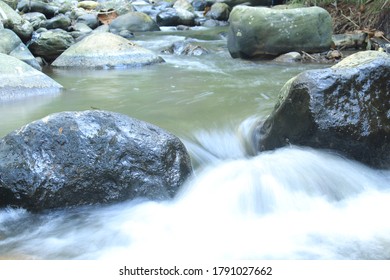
column 292, row 203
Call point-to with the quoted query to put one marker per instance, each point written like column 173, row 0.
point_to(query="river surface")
column 292, row 203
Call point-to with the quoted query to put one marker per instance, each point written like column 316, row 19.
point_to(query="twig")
column 312, row 57
column 384, row 4
column 350, row 20
column 384, row 38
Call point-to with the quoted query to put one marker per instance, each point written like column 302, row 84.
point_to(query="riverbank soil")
column 371, row 16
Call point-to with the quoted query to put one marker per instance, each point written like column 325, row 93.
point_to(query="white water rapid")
column 292, row 203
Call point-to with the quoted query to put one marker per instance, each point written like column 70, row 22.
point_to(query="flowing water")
column 292, row 203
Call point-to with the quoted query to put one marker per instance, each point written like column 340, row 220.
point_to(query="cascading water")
column 292, row 203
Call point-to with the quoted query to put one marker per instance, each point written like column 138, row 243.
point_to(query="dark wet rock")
column 133, row 22
column 106, row 50
column 51, row 44
column 89, row 157
column 175, row 17
column 27, row 6
column 19, row 80
column 36, row 19
column 168, row 17
column 11, row 44
column 344, row 108
column 60, row 21
column 219, row 11
column 260, row 31
column 12, row 20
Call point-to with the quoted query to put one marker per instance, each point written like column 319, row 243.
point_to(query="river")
column 292, row 203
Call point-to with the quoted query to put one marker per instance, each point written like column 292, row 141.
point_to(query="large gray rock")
column 344, row 108
column 19, row 80
column 90, row 157
column 105, row 50
column 174, row 17
column 12, row 20
column 260, row 31
column 133, row 22
column 11, row 44
column 51, row 44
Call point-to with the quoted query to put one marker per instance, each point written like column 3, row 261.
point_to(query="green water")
column 182, row 95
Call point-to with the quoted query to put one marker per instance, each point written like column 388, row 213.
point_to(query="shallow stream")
column 293, row 203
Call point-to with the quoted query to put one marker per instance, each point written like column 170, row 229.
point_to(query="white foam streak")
column 292, row 203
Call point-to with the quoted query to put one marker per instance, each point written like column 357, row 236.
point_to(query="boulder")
column 344, row 108
column 89, row 19
column 19, row 80
column 60, row 21
column 186, row 17
column 219, row 11
column 133, row 22
column 11, row 44
column 260, row 31
column 168, row 17
column 48, row 9
column 12, row 20
column 175, row 17
column 36, row 19
column 105, row 50
column 89, row 157
column 51, row 44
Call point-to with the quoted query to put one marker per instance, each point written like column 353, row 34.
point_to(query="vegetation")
column 349, row 15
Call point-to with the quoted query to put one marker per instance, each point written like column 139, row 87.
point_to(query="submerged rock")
column 344, row 108
column 19, row 80
column 259, row 31
column 105, row 50
column 90, row 157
